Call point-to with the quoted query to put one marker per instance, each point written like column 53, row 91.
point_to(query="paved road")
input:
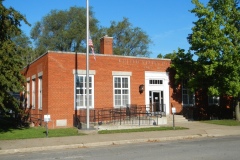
column 220, row 148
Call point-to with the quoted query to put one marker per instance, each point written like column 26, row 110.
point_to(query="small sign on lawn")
column 47, row 118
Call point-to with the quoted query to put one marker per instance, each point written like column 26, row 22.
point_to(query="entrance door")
column 157, row 101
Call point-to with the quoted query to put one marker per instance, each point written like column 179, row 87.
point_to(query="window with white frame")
column 33, row 93
column 213, row 100
column 121, row 91
column 188, row 98
column 81, row 91
column 27, row 101
column 40, row 93
column 155, row 81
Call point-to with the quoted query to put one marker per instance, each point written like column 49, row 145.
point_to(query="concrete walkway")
column 196, row 130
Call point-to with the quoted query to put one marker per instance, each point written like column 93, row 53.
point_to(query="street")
column 220, row 148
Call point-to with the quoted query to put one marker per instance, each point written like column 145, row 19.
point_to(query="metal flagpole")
column 87, row 63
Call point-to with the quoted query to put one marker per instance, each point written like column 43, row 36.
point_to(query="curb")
column 108, row 143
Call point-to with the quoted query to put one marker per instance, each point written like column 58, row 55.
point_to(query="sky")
column 166, row 22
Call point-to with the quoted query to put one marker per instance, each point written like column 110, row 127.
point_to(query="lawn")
column 37, row 132
column 40, row 132
column 223, row 122
column 140, row 130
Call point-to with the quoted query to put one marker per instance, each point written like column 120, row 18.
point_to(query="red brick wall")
column 58, row 80
column 40, row 65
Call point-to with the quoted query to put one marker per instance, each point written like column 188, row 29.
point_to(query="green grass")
column 140, row 130
column 223, row 122
column 37, row 132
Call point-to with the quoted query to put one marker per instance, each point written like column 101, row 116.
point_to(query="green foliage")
column 159, row 55
column 66, row 31
column 128, row 41
column 183, row 64
column 215, row 43
column 168, row 55
column 215, row 40
column 24, row 48
column 10, row 22
column 63, row 30
column 11, row 63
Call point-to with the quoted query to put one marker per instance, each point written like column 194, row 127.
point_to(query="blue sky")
column 167, row 22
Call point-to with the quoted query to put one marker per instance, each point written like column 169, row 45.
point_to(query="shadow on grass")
column 9, row 124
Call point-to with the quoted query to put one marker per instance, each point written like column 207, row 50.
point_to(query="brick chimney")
column 106, row 45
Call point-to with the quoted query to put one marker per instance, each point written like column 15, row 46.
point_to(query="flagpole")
column 87, row 63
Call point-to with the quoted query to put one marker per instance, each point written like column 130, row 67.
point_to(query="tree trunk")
column 237, row 112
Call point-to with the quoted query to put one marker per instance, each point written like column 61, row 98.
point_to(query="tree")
column 183, row 64
column 215, row 41
column 168, row 55
column 159, row 55
column 66, row 31
column 24, row 48
column 11, row 79
column 63, row 30
column 128, row 41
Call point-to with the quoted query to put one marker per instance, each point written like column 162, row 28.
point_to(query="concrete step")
column 142, row 121
column 177, row 118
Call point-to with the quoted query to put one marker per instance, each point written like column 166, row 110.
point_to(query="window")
column 33, row 93
column 40, row 93
column 121, row 91
column 27, row 101
column 213, row 100
column 155, row 81
column 81, row 91
column 188, row 98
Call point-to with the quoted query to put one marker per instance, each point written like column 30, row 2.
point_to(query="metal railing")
column 156, row 108
column 36, row 119
column 120, row 115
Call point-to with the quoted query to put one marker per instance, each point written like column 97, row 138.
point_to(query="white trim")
column 34, row 76
column 28, row 94
column 74, row 91
column 83, row 72
column 121, row 73
column 40, row 74
column 40, row 89
column 158, row 87
column 33, row 93
column 129, row 89
column 75, row 94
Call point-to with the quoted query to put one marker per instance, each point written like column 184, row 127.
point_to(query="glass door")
column 156, row 101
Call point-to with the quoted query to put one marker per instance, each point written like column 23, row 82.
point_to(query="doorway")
column 156, row 100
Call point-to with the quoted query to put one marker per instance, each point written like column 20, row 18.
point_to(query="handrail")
column 110, row 115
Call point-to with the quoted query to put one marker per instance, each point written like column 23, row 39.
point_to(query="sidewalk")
column 196, row 130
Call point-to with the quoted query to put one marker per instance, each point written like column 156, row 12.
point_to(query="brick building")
column 56, row 83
